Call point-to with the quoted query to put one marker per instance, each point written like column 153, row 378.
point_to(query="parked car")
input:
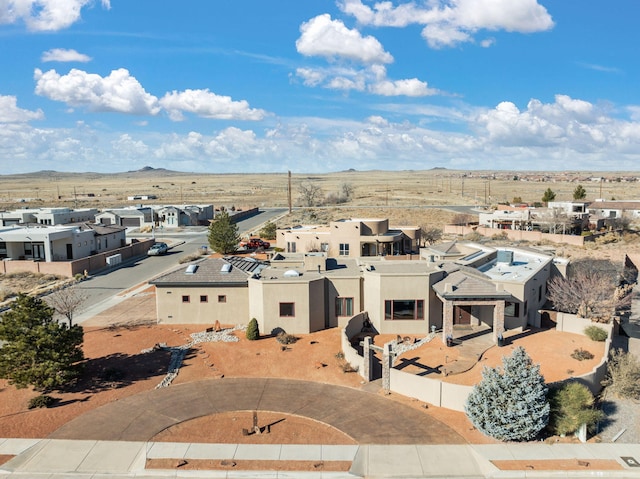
column 158, row 249
column 255, row 243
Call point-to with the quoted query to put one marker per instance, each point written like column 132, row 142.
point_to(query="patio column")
column 447, row 320
column 498, row 320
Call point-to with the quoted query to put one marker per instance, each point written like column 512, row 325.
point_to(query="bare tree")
column 310, row 194
column 589, row 292
column 430, row 235
column 66, row 301
column 555, row 221
column 347, row 191
column 464, row 219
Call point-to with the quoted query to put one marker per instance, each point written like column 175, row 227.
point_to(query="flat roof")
column 524, row 265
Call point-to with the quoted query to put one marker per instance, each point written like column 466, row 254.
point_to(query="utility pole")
column 75, row 198
column 289, row 193
column 601, row 187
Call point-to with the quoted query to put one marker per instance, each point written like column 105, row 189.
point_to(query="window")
column 404, row 309
column 539, row 292
column 291, row 246
column 344, row 249
column 287, row 310
column 222, row 298
column 204, row 298
column 186, row 299
column 324, row 247
column 512, row 309
column 344, row 306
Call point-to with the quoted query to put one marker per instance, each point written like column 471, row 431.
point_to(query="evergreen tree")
column 268, row 231
column 510, row 404
column 579, row 193
column 38, row 351
column 549, row 195
column 571, row 407
column 223, row 234
column 253, row 332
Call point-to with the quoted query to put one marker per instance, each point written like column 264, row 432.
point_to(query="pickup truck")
column 255, row 243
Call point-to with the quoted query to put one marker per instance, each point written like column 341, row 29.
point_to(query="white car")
column 158, row 249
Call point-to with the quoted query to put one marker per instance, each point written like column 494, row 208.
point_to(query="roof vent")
column 291, row 273
column 505, row 256
column 225, row 268
column 191, row 269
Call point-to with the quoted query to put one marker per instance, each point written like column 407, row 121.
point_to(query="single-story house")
column 59, row 243
column 503, row 288
column 134, row 217
column 47, row 216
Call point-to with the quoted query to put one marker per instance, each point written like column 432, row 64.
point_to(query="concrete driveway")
column 366, row 417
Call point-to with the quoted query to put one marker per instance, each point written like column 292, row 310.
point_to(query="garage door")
column 128, row 222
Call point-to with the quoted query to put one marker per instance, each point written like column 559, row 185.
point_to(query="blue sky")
column 319, row 86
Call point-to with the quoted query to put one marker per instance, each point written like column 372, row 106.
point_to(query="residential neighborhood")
column 365, row 278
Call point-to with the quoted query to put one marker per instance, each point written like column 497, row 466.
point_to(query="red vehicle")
column 255, row 243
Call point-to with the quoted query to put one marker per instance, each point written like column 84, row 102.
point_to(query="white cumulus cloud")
column 44, row 15
column 10, row 113
column 118, row 92
column 64, row 55
column 449, row 22
column 372, row 79
column 208, row 105
column 322, row 36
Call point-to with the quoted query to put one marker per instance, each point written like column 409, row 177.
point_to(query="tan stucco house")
column 351, row 238
column 503, row 288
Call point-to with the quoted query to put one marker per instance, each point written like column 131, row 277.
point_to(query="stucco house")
column 214, row 289
column 503, row 288
column 608, row 210
column 134, row 217
column 184, row 215
column 351, row 238
column 59, row 243
column 47, row 216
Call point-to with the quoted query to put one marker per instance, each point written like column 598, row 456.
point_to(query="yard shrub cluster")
column 285, row 338
column 40, row 401
column 581, row 354
column 253, row 332
column 595, row 333
column 623, row 375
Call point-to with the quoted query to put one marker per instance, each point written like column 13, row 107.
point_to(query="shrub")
column 581, row 354
column 595, row 333
column 285, row 338
column 571, row 407
column 41, row 401
column 510, row 403
column 623, row 375
column 253, row 332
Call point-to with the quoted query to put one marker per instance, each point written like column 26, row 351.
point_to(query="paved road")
column 366, row 417
column 105, row 284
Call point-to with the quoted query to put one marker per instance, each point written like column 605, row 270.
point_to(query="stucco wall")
column 353, row 327
column 378, row 288
column 234, row 310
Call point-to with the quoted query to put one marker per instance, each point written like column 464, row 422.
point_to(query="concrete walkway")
column 87, row 459
column 367, row 418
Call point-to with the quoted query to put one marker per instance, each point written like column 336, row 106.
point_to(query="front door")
column 461, row 315
column 69, row 251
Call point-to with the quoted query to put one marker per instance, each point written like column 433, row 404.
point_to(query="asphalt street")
column 103, row 285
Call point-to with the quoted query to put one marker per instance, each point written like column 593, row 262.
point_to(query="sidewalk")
column 89, row 459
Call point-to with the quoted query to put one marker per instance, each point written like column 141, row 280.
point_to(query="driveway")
column 366, row 417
